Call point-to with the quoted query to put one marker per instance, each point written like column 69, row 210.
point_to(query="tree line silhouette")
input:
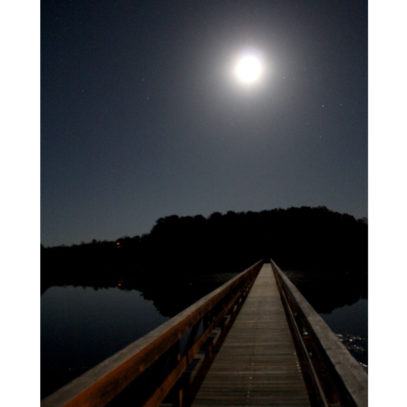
column 180, row 249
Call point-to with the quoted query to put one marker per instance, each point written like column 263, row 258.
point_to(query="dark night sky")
column 141, row 118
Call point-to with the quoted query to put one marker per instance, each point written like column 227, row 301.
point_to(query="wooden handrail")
column 99, row 385
column 343, row 379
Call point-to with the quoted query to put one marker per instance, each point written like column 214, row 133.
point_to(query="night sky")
column 141, row 116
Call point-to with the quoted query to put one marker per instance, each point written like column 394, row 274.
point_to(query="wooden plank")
column 257, row 364
column 102, row 383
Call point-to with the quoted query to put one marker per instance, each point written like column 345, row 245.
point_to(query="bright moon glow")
column 248, row 69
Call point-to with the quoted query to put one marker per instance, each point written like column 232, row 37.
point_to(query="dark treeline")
column 180, row 249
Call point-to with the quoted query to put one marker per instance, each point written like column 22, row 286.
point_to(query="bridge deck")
column 257, row 364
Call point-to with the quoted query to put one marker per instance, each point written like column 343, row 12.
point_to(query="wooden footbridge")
column 255, row 341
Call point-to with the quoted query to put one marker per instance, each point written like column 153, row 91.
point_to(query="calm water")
column 350, row 324
column 82, row 326
column 349, row 319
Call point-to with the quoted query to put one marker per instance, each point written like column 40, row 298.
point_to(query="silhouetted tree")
column 180, row 248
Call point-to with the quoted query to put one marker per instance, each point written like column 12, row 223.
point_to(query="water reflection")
column 350, row 324
column 82, row 326
column 341, row 300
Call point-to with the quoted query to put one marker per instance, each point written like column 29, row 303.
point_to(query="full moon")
column 248, row 69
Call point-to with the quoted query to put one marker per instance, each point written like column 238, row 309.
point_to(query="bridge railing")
column 163, row 354
column 333, row 377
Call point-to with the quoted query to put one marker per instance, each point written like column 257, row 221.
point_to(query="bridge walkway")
column 257, row 364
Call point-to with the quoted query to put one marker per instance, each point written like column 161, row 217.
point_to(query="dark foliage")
column 180, row 248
